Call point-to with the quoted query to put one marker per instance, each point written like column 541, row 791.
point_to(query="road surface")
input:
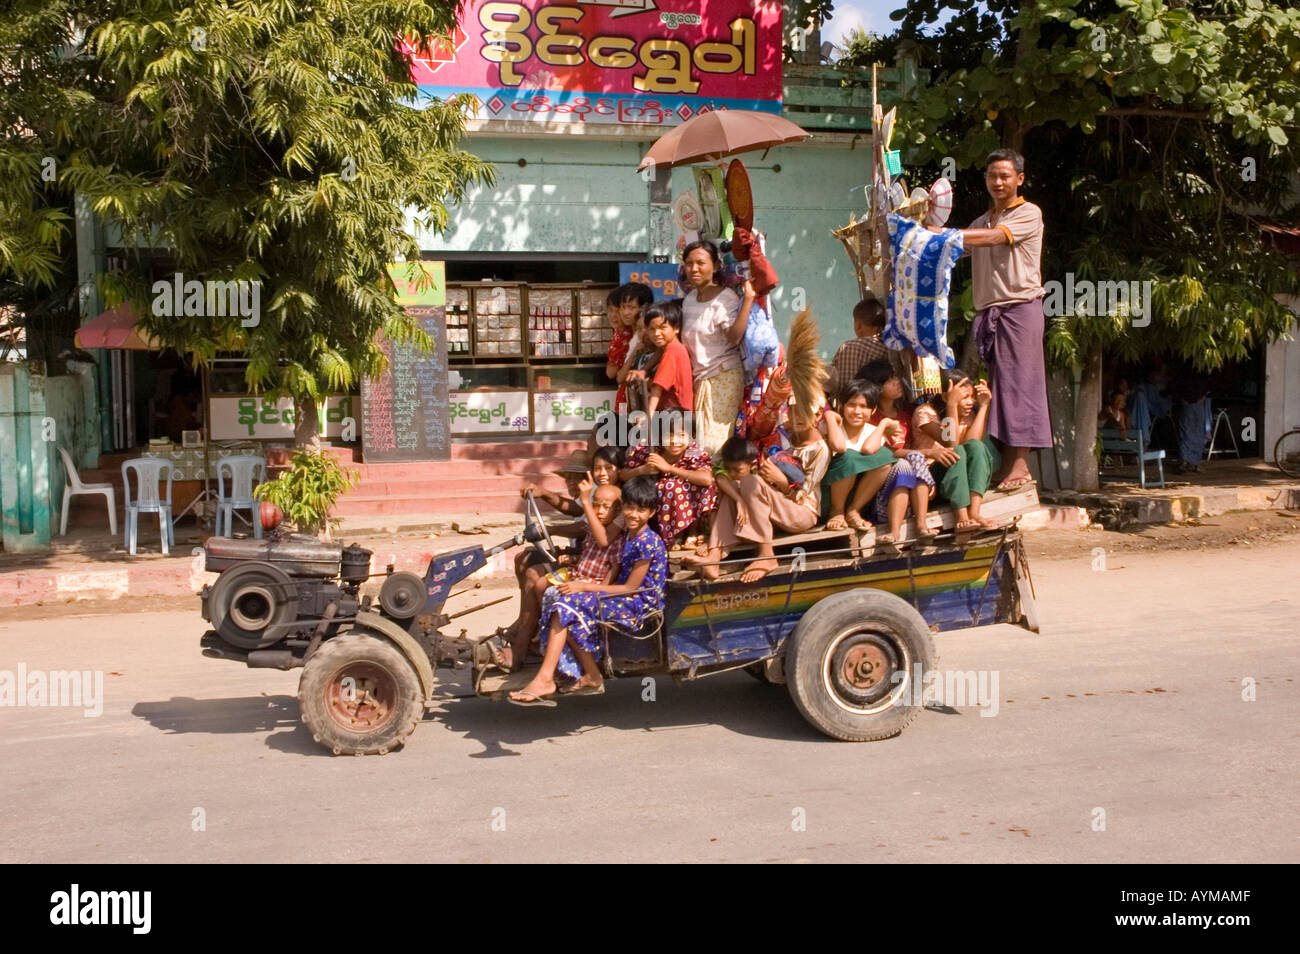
column 1124, row 733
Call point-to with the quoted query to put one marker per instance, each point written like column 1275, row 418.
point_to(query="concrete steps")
column 479, row 478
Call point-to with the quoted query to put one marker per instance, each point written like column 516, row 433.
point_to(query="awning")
column 115, row 328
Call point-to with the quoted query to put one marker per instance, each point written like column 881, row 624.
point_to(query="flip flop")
column 584, row 691
column 545, row 702
column 1015, row 484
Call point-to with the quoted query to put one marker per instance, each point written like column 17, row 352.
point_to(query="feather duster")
column 807, row 371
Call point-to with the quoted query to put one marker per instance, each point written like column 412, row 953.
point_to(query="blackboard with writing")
column 404, row 411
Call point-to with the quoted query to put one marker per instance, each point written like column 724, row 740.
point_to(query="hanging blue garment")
column 917, row 315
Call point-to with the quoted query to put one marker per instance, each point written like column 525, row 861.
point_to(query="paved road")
column 1127, row 711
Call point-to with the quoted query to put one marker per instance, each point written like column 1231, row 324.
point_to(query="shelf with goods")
column 526, row 358
column 504, row 322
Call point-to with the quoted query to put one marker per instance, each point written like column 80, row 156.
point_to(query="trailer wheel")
column 359, row 696
column 850, row 664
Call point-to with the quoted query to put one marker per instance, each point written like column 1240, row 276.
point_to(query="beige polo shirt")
column 1006, row 274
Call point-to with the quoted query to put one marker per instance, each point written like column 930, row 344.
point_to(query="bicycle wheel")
column 1286, row 453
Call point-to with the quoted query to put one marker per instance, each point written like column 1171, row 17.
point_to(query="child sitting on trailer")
column 755, row 499
column 860, row 464
column 595, row 564
column 569, row 632
column 909, row 481
column 682, row 471
column 949, row 431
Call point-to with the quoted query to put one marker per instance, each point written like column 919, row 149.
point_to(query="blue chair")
column 246, row 472
column 148, row 475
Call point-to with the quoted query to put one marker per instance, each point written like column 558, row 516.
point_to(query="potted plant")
column 307, row 490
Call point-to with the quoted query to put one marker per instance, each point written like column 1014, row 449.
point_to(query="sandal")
column 836, row 523
column 856, row 522
column 1015, row 484
column 545, row 702
column 888, row 544
column 576, row 690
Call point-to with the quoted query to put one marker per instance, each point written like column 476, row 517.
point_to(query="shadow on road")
column 181, row 714
column 733, row 701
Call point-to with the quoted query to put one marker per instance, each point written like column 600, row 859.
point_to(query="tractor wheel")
column 359, row 695
column 850, row 664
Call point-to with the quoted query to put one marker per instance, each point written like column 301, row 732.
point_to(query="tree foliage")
column 258, row 141
column 1159, row 137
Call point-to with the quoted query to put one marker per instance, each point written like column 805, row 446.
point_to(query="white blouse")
column 704, row 333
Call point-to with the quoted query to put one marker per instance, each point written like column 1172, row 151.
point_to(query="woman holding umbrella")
column 714, row 319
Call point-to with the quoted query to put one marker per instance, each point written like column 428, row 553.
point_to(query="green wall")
column 581, row 195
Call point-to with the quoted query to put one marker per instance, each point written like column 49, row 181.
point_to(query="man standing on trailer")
column 1006, row 245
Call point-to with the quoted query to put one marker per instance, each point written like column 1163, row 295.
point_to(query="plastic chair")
column 74, row 488
column 246, row 472
column 148, row 474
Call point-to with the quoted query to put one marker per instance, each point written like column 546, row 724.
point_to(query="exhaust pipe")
column 273, row 659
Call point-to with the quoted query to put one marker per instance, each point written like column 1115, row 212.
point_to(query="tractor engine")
column 269, row 591
column 274, row 598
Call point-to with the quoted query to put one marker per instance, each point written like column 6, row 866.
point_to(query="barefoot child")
column 569, row 635
column 753, row 501
column 596, row 564
column 683, row 475
column 949, row 431
column 860, row 465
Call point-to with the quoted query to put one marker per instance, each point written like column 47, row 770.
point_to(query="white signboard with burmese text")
column 564, row 411
column 488, row 412
column 250, row 417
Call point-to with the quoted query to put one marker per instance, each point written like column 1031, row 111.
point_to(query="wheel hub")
column 863, row 668
column 362, row 697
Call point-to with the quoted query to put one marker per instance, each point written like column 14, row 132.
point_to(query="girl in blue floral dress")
column 568, row 631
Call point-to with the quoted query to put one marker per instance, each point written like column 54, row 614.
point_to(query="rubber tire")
column 232, row 579
column 358, row 645
column 759, row 671
column 813, row 638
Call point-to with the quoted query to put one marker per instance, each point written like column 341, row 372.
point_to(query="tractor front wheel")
column 359, row 695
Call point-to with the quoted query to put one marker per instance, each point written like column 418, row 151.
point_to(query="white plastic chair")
column 148, row 474
column 246, row 472
column 74, row 488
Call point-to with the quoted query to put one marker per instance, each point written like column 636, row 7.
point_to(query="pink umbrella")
column 722, row 132
column 115, row 328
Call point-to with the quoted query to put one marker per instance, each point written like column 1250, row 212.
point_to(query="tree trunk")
column 306, row 426
column 1086, row 408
